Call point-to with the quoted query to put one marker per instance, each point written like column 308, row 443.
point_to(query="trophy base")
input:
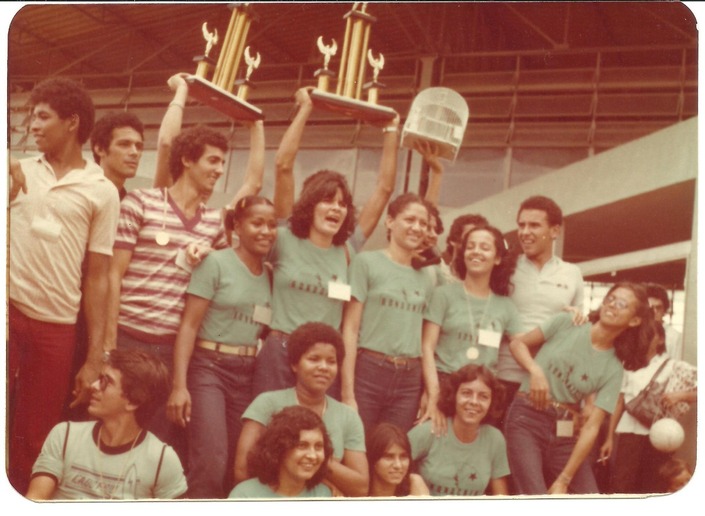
column 446, row 150
column 221, row 100
column 358, row 109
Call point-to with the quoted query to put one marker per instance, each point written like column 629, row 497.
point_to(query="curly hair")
column 191, row 144
column 470, row 373
column 500, row 278
column 146, row 381
column 102, row 134
column 382, row 437
column 657, row 291
column 67, row 97
column 280, row 436
column 455, row 233
column 632, row 345
column 310, row 333
column 322, row 186
column 539, row 202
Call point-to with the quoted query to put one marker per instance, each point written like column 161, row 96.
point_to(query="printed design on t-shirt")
column 103, row 485
column 414, row 302
column 470, row 336
column 247, row 317
column 456, row 479
column 310, row 283
column 574, row 381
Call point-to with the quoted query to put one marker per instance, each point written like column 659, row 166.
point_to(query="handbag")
column 645, row 407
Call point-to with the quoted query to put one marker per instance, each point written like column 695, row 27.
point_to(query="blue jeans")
column 221, row 389
column 272, row 370
column 386, row 392
column 533, row 448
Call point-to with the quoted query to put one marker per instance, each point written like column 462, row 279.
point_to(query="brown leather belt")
column 568, row 407
column 218, row 347
column 396, row 361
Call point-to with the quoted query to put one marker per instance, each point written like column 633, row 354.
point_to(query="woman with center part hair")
column 471, row 458
column 381, row 374
column 226, row 309
column 574, row 363
column 290, row 459
column 389, row 455
column 314, row 351
column 464, row 322
column 312, row 254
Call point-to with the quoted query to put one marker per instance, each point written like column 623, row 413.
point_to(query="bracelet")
column 390, row 129
column 174, row 103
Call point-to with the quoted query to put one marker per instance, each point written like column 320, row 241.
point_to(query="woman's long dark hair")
column 379, row 441
column 500, row 278
column 317, row 188
column 632, row 345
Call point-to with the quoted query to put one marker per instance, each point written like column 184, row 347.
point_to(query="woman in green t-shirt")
column 464, row 322
column 311, row 257
column 381, row 374
column 226, row 310
column 290, row 459
column 577, row 369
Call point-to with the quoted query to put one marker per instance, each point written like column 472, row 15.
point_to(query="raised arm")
column 351, row 328
column 255, row 164
column 170, row 128
column 286, row 155
column 430, row 152
column 386, row 179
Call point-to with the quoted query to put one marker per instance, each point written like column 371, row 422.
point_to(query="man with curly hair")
column 67, row 210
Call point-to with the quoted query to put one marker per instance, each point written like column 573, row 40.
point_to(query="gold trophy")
column 218, row 92
column 347, row 97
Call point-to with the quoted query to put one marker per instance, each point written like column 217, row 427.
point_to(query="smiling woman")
column 545, row 429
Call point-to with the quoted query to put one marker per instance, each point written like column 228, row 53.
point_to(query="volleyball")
column 666, row 435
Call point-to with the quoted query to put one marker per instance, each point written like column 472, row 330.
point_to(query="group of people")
column 260, row 351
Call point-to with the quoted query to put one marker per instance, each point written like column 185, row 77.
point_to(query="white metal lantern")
column 438, row 115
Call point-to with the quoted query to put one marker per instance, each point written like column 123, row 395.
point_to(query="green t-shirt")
column 460, row 317
column 234, row 292
column 302, row 273
column 253, row 488
column 452, row 468
column 343, row 424
column 574, row 368
column 394, row 298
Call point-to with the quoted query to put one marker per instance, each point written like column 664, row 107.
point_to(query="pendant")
column 162, row 238
column 472, row 353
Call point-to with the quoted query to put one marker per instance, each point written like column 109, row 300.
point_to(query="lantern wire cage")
column 437, row 115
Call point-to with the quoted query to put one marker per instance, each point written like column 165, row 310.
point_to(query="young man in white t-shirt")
column 114, row 457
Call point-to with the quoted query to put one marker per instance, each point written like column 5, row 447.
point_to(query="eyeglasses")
column 103, row 382
column 621, row 304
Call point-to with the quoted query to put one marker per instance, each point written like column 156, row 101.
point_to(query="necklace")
column 162, row 237
column 473, row 352
column 108, row 495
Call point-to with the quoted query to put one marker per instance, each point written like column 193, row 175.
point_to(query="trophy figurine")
column 324, row 74
column 245, row 84
column 374, row 86
column 205, row 62
column 218, row 91
column 347, row 97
